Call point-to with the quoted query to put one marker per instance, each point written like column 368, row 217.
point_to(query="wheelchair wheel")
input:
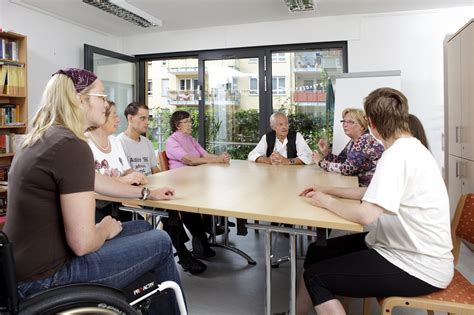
column 77, row 299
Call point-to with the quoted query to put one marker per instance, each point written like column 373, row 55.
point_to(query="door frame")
column 89, row 52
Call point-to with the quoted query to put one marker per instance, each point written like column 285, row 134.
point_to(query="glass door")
column 119, row 74
column 302, row 87
column 232, row 102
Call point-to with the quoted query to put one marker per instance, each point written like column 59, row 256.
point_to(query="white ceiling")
column 192, row 14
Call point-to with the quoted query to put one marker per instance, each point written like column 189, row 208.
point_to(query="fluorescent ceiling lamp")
column 299, row 5
column 126, row 11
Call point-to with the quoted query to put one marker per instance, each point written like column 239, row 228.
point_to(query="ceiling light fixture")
column 126, row 11
column 300, row 5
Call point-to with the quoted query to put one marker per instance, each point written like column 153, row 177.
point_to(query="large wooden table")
column 253, row 191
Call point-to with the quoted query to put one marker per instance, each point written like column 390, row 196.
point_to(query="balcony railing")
column 183, row 70
column 305, row 96
column 182, row 97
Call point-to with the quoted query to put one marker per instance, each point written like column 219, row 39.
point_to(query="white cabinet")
column 460, row 111
column 461, row 174
column 454, row 95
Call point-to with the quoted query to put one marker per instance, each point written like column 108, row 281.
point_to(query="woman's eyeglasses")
column 102, row 96
column 349, row 122
column 186, row 121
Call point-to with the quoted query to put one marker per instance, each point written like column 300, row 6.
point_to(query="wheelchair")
column 80, row 298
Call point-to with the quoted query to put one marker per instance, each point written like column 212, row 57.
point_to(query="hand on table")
column 316, row 196
column 316, row 157
column 163, row 193
column 225, row 157
column 277, row 159
column 134, row 178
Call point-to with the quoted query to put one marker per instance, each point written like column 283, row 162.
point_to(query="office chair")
column 458, row 297
column 78, row 298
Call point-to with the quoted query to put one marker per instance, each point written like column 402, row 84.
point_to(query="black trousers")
column 175, row 228
column 112, row 209
column 347, row 267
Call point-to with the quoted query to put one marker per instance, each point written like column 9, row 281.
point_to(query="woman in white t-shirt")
column 109, row 157
column 110, row 160
column 408, row 253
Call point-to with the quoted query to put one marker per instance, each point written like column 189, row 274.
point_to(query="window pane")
column 150, row 87
column 118, row 77
column 165, row 86
column 299, row 88
column 231, row 109
column 253, row 89
column 172, row 94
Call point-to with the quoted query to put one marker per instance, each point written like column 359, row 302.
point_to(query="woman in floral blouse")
column 359, row 157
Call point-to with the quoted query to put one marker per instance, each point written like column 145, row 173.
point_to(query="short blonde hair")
column 59, row 106
column 358, row 115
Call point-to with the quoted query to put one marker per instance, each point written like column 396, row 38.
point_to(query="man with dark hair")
column 138, row 149
column 281, row 146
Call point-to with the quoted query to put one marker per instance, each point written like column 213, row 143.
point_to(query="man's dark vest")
column 290, row 146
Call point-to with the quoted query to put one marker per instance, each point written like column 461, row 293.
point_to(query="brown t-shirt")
column 59, row 163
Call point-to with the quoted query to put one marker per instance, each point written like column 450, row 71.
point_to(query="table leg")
column 293, row 264
column 226, row 244
column 268, row 272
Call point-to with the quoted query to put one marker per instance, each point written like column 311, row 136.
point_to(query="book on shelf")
column 10, row 142
column 4, row 169
column 3, row 205
column 3, row 79
column 2, row 48
column 9, row 49
column 17, row 141
column 12, row 78
column 10, row 115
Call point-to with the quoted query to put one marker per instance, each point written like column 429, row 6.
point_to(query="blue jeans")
column 136, row 250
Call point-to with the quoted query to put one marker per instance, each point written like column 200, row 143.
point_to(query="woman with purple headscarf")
column 51, row 211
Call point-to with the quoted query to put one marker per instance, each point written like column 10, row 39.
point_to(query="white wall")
column 408, row 41
column 52, row 44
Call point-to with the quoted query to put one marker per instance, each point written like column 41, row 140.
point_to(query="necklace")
column 106, row 149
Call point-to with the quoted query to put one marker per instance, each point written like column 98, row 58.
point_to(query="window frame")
column 265, row 78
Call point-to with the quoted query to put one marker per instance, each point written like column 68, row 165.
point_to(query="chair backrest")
column 462, row 227
column 163, row 160
column 8, row 291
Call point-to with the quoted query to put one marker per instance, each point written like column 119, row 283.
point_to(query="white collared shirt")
column 303, row 152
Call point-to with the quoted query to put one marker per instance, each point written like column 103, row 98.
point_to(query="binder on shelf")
column 2, row 48
column 3, row 78
column 17, row 141
column 4, row 169
column 21, row 81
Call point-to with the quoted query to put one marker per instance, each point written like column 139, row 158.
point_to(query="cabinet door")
column 454, row 95
column 454, row 182
column 466, row 174
column 467, row 93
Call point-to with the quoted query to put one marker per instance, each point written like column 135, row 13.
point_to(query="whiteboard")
column 350, row 90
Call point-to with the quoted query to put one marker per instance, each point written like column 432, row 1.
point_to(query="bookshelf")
column 13, row 93
column 13, row 103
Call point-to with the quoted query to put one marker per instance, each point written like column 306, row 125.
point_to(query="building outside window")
column 253, row 86
column 233, row 99
column 150, row 87
column 165, row 87
column 279, row 85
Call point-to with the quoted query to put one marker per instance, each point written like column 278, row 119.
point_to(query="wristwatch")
column 292, row 161
column 145, row 193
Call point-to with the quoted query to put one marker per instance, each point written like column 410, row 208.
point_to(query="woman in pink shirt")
column 182, row 149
